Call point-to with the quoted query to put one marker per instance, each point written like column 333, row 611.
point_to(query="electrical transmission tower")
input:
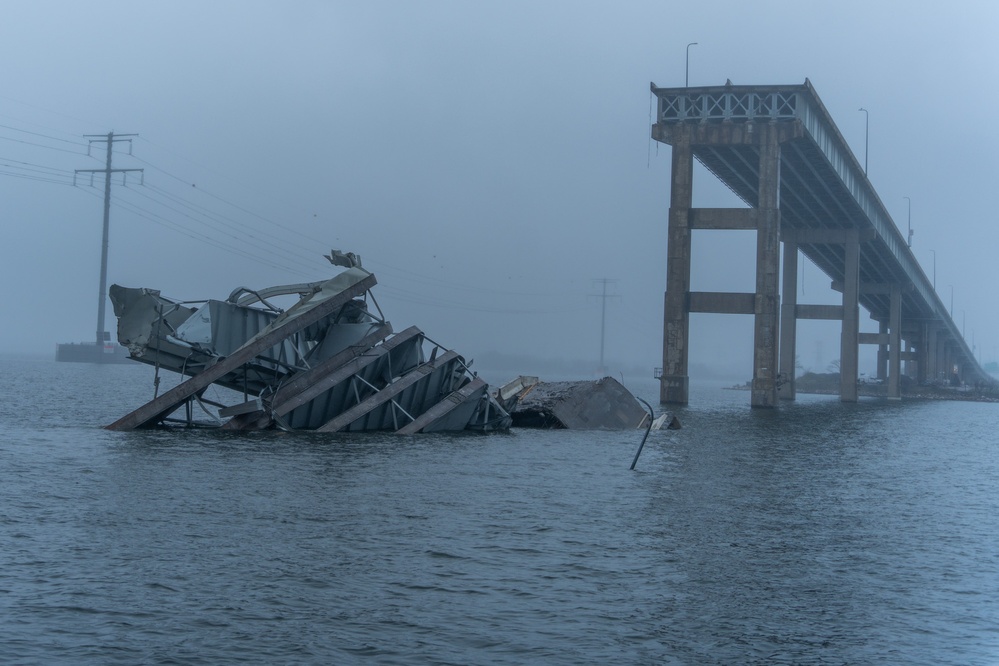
column 110, row 138
column 603, row 319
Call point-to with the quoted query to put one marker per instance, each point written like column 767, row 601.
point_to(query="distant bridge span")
column 778, row 149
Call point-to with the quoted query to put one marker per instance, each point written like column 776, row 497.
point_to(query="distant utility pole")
column 110, row 138
column 603, row 318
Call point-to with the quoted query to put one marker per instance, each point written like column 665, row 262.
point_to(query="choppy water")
column 817, row 534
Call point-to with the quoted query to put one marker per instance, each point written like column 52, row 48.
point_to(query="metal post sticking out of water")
column 648, row 429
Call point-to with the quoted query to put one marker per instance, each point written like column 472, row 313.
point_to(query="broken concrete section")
column 327, row 363
column 603, row 404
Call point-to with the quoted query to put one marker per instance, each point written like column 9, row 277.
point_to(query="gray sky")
column 490, row 163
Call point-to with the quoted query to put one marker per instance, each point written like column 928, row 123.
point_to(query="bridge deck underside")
column 812, row 197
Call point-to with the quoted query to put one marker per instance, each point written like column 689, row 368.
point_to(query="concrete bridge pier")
column 779, row 151
column 895, row 343
column 932, row 354
column 787, row 388
column 675, row 383
column 850, row 334
column 766, row 327
column 764, row 219
column 919, row 353
column 882, row 369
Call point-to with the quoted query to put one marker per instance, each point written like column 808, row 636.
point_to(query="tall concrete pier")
column 778, row 150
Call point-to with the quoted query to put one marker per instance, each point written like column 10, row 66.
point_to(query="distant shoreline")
column 828, row 384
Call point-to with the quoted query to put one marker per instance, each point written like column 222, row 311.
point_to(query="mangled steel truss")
column 326, row 364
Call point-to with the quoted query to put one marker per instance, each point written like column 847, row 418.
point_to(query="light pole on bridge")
column 934, row 269
column 867, row 134
column 910, row 220
column 686, row 80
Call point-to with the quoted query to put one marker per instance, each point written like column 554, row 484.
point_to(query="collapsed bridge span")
column 328, row 363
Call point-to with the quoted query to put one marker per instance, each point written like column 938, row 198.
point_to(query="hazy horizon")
column 491, row 164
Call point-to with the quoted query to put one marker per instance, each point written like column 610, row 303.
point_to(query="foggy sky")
column 490, row 163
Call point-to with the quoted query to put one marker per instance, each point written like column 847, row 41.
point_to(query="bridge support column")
column 953, row 369
column 767, row 324
column 850, row 335
column 895, row 344
column 789, row 321
column 675, row 383
column 922, row 354
column 932, row 352
column 882, row 370
column 948, row 361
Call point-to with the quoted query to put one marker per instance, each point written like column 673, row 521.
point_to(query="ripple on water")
column 820, row 533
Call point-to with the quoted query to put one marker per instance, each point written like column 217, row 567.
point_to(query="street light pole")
column 910, row 220
column 952, row 301
column 934, row 269
column 867, row 134
column 686, row 80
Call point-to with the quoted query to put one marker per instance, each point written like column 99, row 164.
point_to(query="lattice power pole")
column 110, row 138
column 603, row 318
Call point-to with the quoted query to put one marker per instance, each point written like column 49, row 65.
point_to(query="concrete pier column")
column 949, row 361
column 850, row 335
column 675, row 383
column 895, row 344
column 932, row 352
column 788, row 320
column 922, row 354
column 946, row 360
column 767, row 324
column 882, row 351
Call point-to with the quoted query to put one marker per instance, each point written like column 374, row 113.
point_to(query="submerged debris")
column 328, row 363
column 602, row 404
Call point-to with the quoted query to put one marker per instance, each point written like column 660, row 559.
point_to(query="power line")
column 247, row 240
column 201, row 238
column 40, row 145
column 229, row 203
column 46, row 136
column 35, row 178
column 40, row 166
column 259, row 241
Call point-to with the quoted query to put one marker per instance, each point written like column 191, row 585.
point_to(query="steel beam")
column 307, row 385
column 155, row 410
column 388, row 393
column 473, row 391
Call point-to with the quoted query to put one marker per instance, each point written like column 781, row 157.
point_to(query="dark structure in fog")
column 778, row 149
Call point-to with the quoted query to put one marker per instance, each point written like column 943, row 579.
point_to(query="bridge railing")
column 728, row 106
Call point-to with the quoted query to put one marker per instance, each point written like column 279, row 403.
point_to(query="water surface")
column 819, row 533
